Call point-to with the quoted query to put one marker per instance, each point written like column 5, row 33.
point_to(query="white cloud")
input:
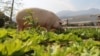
column 52, row 5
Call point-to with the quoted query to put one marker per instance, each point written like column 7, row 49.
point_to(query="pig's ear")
column 60, row 22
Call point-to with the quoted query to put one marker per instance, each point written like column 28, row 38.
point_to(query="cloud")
column 85, row 4
column 52, row 5
column 67, row 4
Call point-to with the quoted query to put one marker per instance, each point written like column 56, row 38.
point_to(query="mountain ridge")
column 68, row 13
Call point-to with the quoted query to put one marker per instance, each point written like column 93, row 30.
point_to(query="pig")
column 44, row 18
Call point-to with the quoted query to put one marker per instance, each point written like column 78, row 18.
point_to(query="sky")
column 59, row 5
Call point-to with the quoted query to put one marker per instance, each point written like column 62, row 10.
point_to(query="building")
column 86, row 20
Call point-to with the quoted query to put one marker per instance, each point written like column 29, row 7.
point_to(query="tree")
column 9, row 6
column 3, row 19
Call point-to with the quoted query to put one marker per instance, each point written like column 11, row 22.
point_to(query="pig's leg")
column 20, row 27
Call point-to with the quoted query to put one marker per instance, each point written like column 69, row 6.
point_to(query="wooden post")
column 67, row 22
column 98, row 23
column 12, row 6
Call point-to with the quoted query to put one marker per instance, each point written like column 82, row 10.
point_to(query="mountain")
column 65, row 13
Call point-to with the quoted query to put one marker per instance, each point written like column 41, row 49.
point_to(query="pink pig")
column 43, row 17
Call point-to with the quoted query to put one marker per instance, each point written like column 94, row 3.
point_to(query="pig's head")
column 58, row 26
